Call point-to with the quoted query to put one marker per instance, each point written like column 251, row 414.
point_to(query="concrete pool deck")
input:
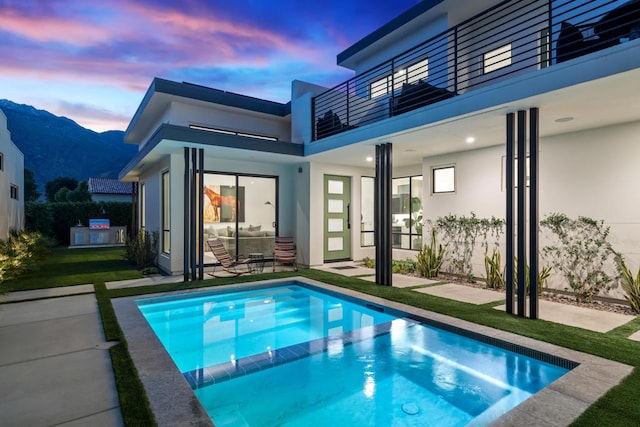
column 54, row 358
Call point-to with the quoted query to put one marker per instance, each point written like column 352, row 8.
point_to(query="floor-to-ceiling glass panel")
column 401, row 212
column 367, row 211
column 416, row 212
column 220, row 210
column 257, row 226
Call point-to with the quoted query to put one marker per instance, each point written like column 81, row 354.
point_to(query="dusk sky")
column 93, row 61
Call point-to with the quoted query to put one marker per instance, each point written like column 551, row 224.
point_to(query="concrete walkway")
column 54, row 361
column 566, row 314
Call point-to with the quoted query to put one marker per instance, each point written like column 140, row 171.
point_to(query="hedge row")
column 54, row 219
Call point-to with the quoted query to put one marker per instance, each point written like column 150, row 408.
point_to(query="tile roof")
column 108, row 186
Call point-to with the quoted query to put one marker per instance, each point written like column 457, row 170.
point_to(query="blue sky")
column 93, row 61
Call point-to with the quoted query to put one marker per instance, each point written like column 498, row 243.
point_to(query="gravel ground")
column 615, row 307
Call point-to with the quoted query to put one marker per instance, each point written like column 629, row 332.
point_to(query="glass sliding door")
column 256, row 233
column 240, row 211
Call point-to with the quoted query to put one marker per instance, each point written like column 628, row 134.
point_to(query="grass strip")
column 134, row 404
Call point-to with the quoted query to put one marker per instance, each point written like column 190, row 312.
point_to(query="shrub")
column 142, row 249
column 630, row 284
column 430, row 258
column 21, row 251
column 407, row 266
column 581, row 254
column 54, row 219
column 369, row 263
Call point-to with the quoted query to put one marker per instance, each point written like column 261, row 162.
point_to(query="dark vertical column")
column 192, row 213
column 509, row 160
column 201, row 214
column 185, row 213
column 533, row 211
column 382, row 215
column 522, row 217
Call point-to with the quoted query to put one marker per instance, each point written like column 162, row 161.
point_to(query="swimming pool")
column 289, row 355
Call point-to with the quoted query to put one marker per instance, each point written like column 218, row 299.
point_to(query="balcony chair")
column 228, row 264
column 284, row 252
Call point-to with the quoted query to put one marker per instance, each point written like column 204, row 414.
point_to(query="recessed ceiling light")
column 409, row 150
column 470, row 140
column 369, row 159
column 564, row 119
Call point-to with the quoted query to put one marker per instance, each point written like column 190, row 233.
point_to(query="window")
column 497, row 58
column 231, row 132
column 14, row 192
column 444, row 180
column 166, row 220
column 367, row 211
column 411, row 74
column 143, row 207
column 544, row 50
column 406, row 210
column 1, row 162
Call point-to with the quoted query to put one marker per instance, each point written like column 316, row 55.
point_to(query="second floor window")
column 497, row 58
column 411, row 74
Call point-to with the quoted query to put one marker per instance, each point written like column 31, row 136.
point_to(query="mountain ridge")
column 56, row 146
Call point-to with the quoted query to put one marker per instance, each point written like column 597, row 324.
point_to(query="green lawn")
column 620, row 407
column 76, row 267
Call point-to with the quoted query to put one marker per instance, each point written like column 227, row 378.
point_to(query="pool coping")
column 174, row 403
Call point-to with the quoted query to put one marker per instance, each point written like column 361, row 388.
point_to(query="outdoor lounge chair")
column 284, row 252
column 226, row 261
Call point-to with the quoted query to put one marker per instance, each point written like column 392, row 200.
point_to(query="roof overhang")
column 162, row 92
column 169, row 139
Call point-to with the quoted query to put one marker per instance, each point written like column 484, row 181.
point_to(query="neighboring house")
column 11, row 182
column 109, row 190
column 437, row 94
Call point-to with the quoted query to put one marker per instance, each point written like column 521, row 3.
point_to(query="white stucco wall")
column 12, row 173
column 591, row 173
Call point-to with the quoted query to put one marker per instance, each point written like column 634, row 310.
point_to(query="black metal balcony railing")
column 507, row 40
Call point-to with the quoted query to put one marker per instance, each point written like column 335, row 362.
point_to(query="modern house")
column 109, row 190
column 513, row 109
column 11, row 182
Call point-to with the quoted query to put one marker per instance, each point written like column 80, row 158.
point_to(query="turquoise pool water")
column 292, row 356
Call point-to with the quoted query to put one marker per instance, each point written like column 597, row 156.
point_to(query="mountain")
column 56, row 146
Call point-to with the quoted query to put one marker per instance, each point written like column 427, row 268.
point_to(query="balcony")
column 513, row 38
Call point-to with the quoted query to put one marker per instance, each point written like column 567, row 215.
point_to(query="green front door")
column 337, row 221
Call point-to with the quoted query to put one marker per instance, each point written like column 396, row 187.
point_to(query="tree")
column 81, row 193
column 53, row 186
column 30, row 186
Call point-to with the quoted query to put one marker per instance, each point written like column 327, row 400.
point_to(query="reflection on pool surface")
column 289, row 355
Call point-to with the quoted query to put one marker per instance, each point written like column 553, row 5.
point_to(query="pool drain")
column 410, row 408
